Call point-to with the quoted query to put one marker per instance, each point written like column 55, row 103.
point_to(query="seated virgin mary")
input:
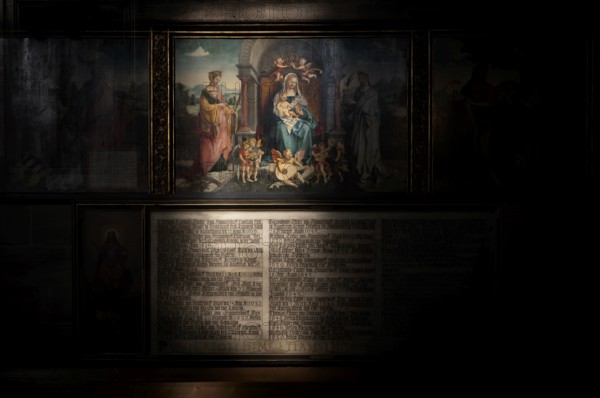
column 294, row 130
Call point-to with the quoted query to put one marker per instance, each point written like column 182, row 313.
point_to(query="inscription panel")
column 306, row 283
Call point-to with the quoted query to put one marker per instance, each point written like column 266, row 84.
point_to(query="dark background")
column 537, row 331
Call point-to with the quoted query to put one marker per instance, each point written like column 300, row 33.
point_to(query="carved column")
column 244, row 127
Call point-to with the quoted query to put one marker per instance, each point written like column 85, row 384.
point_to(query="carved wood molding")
column 420, row 156
column 161, row 152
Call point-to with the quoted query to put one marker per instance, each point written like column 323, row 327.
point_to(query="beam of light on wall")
column 308, row 283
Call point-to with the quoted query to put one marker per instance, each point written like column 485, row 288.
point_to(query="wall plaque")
column 308, row 283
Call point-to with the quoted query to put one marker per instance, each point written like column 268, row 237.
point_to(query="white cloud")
column 199, row 52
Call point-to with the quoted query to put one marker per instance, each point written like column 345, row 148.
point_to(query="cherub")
column 306, row 69
column 320, row 154
column 245, row 162
column 287, row 166
column 340, row 164
column 255, row 157
column 279, row 66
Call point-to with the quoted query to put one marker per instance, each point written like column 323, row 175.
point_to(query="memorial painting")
column 290, row 117
column 74, row 115
column 111, row 281
column 486, row 108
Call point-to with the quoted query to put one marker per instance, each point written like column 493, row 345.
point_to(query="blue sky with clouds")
column 194, row 58
column 382, row 58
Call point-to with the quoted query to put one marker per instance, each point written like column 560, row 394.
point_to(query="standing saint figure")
column 364, row 139
column 112, row 280
column 112, row 327
column 214, row 126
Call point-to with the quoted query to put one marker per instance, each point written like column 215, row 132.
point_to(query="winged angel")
column 287, row 167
